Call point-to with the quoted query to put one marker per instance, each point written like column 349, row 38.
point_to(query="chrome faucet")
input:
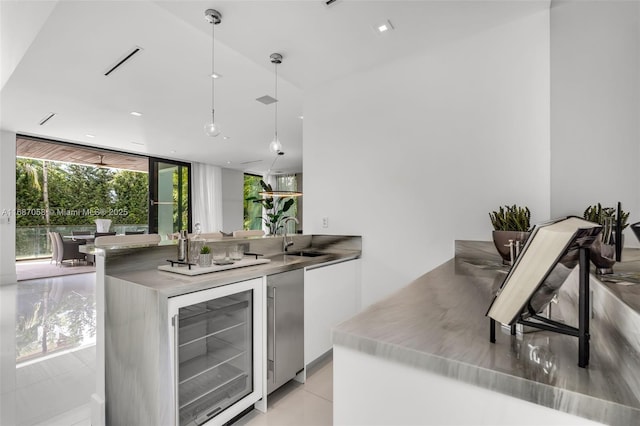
column 286, row 244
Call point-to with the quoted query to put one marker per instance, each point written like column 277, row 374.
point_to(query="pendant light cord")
column 213, row 56
column 276, row 116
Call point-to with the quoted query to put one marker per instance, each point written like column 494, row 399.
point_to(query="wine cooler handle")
column 176, row 367
column 275, row 350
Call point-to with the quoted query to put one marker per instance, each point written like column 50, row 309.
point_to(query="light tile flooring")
column 296, row 404
column 55, row 391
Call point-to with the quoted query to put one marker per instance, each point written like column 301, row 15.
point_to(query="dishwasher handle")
column 271, row 331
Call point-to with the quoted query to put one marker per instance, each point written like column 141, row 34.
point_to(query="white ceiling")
column 54, row 56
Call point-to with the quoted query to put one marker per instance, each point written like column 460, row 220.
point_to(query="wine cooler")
column 217, row 343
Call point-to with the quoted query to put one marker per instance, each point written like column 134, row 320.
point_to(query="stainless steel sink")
column 305, row 253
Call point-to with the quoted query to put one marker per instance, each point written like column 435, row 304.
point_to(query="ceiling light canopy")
column 214, row 18
column 275, row 146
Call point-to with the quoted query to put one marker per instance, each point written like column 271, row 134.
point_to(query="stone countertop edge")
column 528, row 390
column 365, row 333
column 140, row 267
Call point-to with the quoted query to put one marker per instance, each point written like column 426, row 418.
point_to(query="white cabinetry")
column 331, row 295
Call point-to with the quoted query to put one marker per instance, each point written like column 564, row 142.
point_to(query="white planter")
column 103, row 225
column 204, row 260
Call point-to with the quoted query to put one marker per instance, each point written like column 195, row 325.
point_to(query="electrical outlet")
column 325, row 222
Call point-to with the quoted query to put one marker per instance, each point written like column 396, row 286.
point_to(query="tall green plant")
column 607, row 217
column 511, row 218
column 599, row 214
column 275, row 208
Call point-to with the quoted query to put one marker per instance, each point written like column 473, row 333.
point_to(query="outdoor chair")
column 65, row 250
column 54, row 247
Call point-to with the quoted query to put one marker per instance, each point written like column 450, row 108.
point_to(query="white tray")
column 197, row 270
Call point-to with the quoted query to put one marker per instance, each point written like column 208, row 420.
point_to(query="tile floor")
column 295, row 404
column 61, row 382
column 56, row 390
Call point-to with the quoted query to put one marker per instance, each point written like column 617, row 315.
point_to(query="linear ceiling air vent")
column 123, row 59
column 266, row 99
column 47, row 118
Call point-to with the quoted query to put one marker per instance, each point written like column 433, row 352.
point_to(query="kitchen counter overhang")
column 140, row 265
column 438, row 324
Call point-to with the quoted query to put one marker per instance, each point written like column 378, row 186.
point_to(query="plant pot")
column 103, row 225
column 204, row 260
column 603, row 256
column 501, row 241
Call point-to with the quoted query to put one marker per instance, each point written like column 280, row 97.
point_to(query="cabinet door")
column 332, row 295
column 285, row 327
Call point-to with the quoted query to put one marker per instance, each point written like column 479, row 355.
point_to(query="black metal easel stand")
column 542, row 323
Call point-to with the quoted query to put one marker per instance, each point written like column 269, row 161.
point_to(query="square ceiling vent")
column 266, row 99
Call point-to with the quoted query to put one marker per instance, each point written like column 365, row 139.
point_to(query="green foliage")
column 607, row 217
column 511, row 218
column 275, row 207
column 205, row 250
column 603, row 215
column 76, row 195
column 252, row 211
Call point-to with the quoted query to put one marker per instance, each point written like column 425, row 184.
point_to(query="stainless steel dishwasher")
column 285, row 327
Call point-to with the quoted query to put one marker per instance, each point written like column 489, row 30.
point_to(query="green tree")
column 131, row 194
column 252, row 211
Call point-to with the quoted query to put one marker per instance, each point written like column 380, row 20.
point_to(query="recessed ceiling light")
column 228, row 162
column 215, row 75
column 226, row 137
column 136, row 113
column 90, row 136
column 301, row 117
column 383, row 27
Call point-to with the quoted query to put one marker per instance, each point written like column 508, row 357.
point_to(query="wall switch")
column 325, row 222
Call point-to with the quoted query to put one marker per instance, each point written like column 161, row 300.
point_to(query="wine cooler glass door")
column 215, row 357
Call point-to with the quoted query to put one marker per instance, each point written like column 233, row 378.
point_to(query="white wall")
column 415, row 154
column 232, row 200
column 595, row 114
column 7, row 208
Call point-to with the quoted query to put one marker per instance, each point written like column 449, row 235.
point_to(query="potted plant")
column 603, row 249
column 205, row 257
column 275, row 208
column 511, row 225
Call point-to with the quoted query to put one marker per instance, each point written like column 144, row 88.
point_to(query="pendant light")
column 277, row 193
column 275, row 146
column 214, row 18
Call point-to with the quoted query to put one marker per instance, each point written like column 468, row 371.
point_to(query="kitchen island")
column 423, row 356
column 169, row 341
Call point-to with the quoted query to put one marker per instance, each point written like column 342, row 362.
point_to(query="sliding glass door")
column 169, row 196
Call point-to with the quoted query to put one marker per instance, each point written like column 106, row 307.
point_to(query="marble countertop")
column 438, row 323
column 140, row 266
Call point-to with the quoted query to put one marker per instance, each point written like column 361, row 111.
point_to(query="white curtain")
column 207, row 197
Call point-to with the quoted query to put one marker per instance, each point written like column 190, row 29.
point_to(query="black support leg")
column 583, row 309
column 492, row 330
